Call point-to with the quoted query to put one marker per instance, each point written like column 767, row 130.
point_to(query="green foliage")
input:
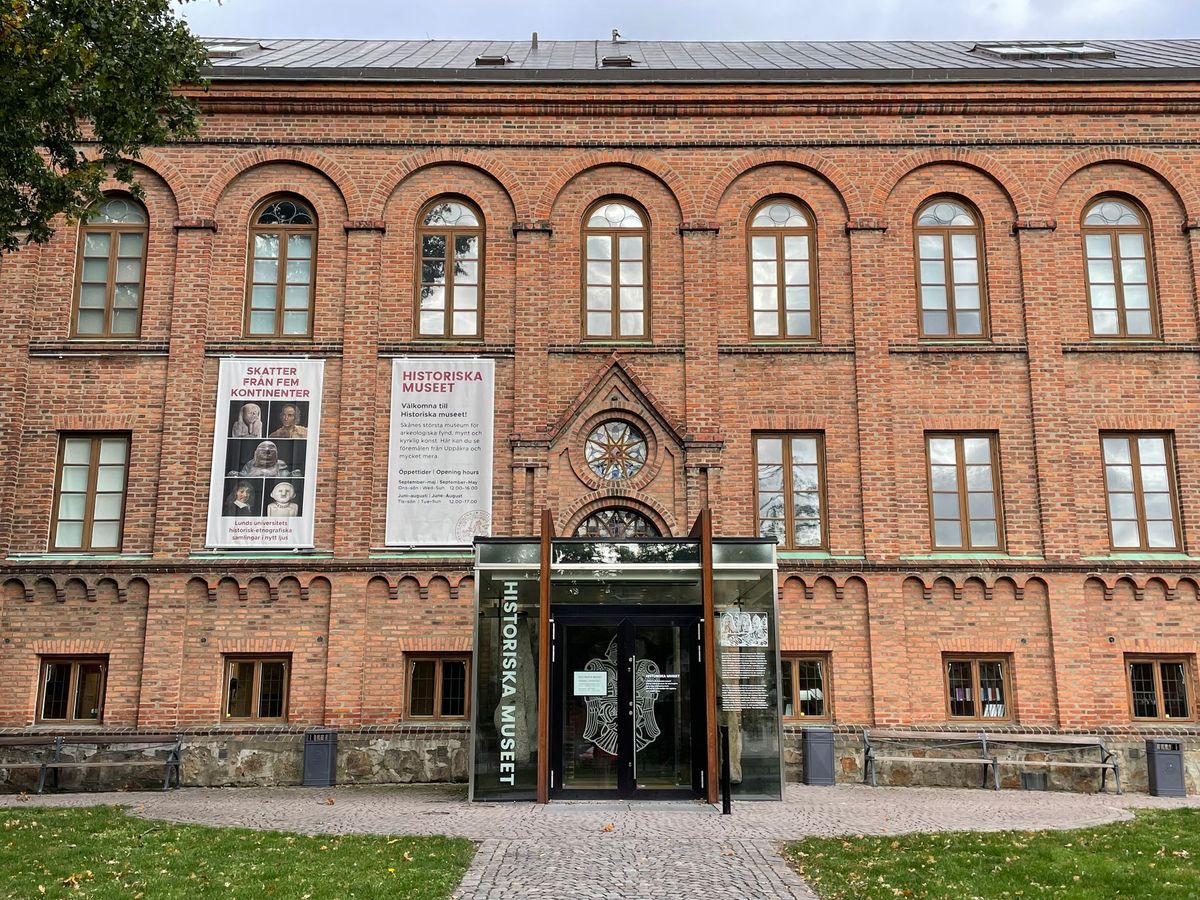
column 1153, row 856
column 103, row 853
column 85, row 85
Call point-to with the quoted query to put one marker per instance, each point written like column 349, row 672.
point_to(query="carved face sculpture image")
column 282, row 494
column 266, row 461
column 249, row 421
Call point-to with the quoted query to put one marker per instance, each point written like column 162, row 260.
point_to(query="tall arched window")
column 112, row 270
column 283, row 251
column 616, row 522
column 616, row 249
column 783, row 271
column 1116, row 248
column 450, row 281
column 950, row 271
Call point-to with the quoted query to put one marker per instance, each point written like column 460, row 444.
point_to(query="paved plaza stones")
column 602, row 850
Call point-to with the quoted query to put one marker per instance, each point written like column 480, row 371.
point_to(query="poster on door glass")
column 263, row 489
column 439, row 489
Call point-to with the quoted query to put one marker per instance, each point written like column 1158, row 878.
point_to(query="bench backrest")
column 23, row 741
column 1061, row 740
column 891, row 734
column 73, row 740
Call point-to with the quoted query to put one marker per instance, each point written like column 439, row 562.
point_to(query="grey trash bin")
column 818, row 756
column 1164, row 762
column 320, row 757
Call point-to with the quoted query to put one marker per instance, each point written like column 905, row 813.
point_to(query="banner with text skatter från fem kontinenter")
column 440, row 453
column 263, row 489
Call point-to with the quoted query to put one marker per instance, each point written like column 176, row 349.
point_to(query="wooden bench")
column 172, row 743
column 939, row 741
column 34, row 761
column 1063, row 743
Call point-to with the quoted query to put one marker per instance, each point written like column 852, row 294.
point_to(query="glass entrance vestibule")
column 604, row 668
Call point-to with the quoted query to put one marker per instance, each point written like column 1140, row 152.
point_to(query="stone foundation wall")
column 848, row 763
column 397, row 756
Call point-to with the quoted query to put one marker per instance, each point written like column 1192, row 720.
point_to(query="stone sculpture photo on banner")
column 264, row 453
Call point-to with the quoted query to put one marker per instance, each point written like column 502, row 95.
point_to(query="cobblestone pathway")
column 652, row 850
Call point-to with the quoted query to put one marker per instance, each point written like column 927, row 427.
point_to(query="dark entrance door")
column 628, row 703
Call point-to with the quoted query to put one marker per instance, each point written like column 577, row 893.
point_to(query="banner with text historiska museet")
column 440, row 453
column 263, row 489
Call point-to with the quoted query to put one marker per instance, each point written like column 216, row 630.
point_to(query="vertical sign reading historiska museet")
column 263, row 488
column 440, row 453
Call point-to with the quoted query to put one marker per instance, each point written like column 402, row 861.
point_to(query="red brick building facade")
column 1091, row 631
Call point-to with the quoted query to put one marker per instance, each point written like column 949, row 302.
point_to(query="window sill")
column 238, row 553
column 1144, row 345
column 1136, row 555
column 817, row 554
column 969, row 555
column 65, row 555
column 422, row 553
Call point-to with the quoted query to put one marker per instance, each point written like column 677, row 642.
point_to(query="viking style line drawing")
column 601, row 725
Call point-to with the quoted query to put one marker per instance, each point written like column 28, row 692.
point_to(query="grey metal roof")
column 701, row 61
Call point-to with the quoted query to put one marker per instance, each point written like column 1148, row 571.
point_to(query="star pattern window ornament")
column 615, row 451
column 616, row 523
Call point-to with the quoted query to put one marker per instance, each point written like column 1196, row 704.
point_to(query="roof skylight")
column 1044, row 50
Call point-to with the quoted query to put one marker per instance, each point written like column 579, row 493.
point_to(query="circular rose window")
column 615, row 450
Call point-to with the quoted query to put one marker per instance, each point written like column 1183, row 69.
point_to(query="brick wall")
column 863, row 159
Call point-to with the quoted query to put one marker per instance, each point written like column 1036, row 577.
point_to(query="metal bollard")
column 726, row 787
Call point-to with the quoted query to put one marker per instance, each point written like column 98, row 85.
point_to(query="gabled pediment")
column 615, row 387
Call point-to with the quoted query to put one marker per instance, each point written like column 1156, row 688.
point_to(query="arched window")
column 283, row 250
column 1116, row 248
column 616, row 247
column 616, row 522
column 950, row 271
column 112, row 269
column 450, row 282
column 783, row 271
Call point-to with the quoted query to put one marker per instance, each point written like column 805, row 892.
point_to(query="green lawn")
column 101, row 852
column 1156, row 855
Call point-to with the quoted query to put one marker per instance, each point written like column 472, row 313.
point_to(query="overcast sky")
column 698, row 20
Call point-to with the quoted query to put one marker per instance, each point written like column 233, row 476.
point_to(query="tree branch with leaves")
column 86, row 84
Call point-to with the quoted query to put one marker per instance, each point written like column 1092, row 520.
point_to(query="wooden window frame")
column 450, row 232
column 946, row 233
column 439, row 659
column 1005, row 660
column 791, row 660
column 1139, row 494
column 810, row 232
column 284, row 231
column 259, row 659
column 76, row 663
column 789, row 512
column 89, row 502
column 964, row 518
column 114, row 231
column 1157, row 660
column 615, row 285
column 1113, row 232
